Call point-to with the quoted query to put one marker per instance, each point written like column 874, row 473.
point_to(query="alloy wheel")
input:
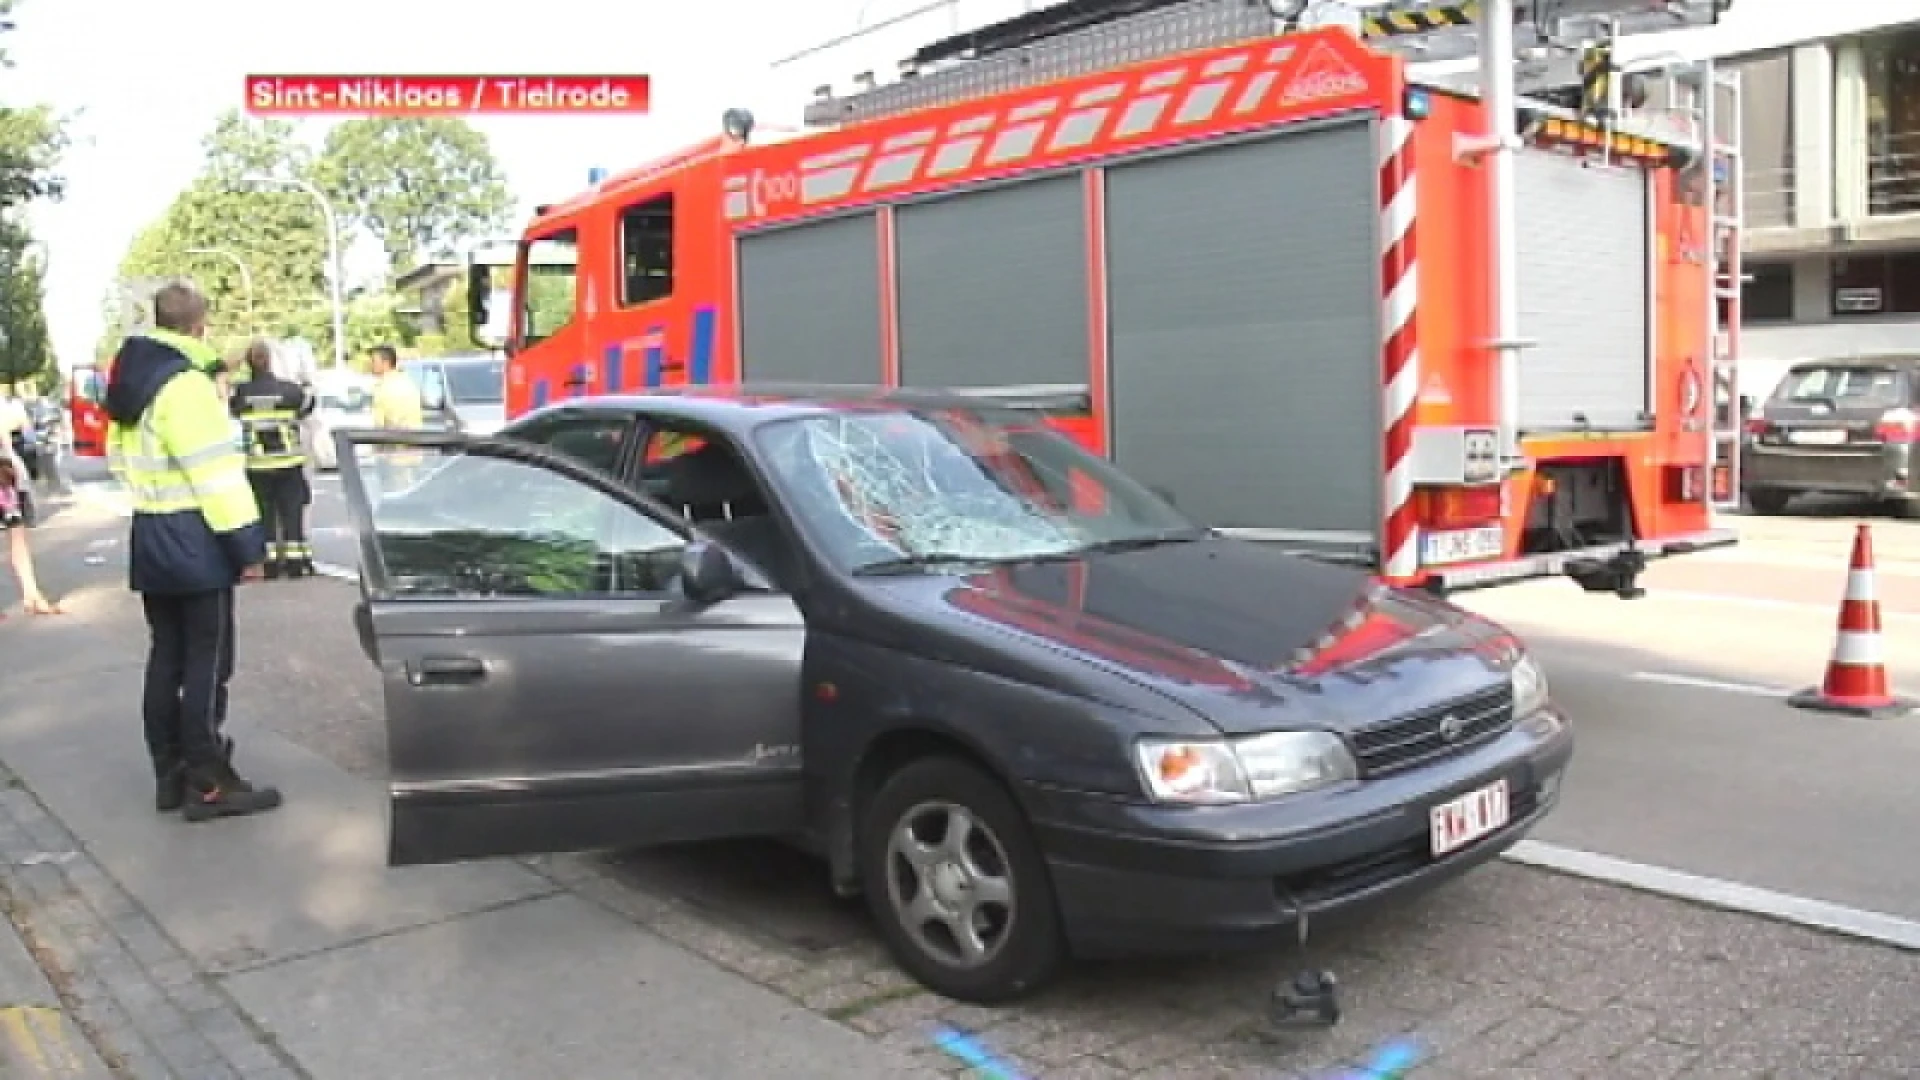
column 950, row 884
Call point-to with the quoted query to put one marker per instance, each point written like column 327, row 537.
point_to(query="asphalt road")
column 1690, row 758
column 1511, row 972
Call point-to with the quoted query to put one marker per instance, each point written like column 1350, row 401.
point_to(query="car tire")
column 1905, row 509
column 1768, row 501
column 1024, row 946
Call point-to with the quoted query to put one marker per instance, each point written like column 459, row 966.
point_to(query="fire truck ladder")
column 1718, row 108
column 1080, row 37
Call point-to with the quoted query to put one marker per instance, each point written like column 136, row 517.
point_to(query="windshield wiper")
column 913, row 564
column 1145, row 540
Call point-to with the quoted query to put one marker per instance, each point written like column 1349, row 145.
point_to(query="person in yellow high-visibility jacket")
column 195, row 535
column 397, row 405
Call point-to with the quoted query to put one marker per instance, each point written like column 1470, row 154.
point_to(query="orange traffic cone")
column 1856, row 681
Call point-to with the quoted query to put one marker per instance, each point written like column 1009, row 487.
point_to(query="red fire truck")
column 1460, row 330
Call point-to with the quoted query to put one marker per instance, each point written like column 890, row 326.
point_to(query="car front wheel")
column 957, row 884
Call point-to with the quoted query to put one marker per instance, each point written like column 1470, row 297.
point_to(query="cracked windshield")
column 1040, row 539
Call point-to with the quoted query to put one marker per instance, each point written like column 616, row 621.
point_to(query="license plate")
column 1462, row 545
column 1817, row 438
column 1459, row 822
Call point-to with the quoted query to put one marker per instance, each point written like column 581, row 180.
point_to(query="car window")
column 1846, row 387
column 354, row 399
column 593, row 439
column 477, row 382
column 882, row 486
column 459, row 523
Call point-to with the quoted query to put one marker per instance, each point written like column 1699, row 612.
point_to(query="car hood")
column 1246, row 636
column 480, row 419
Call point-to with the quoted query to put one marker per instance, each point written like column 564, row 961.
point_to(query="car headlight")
column 1529, row 686
column 1208, row 772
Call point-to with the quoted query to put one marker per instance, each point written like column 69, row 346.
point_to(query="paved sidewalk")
column 282, row 946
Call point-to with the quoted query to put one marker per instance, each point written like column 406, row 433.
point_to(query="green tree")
column 26, row 354
column 422, row 187
column 31, row 142
column 231, row 217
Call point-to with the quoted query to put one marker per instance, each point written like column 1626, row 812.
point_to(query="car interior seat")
column 714, row 490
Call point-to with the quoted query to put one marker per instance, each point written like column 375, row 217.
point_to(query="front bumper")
column 1876, row 471
column 1133, row 879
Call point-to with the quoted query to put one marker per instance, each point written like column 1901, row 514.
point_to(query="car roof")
column 741, row 407
column 1885, row 360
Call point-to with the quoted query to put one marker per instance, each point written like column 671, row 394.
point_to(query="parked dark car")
column 1838, row 427
column 1011, row 695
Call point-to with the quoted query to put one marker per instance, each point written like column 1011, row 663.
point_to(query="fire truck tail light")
column 1686, row 483
column 1898, row 426
column 1454, row 508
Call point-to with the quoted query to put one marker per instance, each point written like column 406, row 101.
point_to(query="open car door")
column 564, row 667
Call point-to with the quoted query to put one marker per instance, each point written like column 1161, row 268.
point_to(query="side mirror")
column 479, row 296
column 707, row 573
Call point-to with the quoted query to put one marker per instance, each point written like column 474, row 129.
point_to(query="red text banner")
column 441, row 95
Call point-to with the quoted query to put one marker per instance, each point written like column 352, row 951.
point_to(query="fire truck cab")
column 1441, row 329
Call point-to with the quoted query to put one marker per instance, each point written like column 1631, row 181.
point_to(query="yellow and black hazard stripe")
column 1596, row 82
column 1421, row 20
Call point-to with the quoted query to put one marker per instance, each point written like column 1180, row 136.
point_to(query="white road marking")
column 1871, row 926
column 1698, row 683
column 1831, row 610
column 344, row 573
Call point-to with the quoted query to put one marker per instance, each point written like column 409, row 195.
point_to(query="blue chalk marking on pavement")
column 1390, row 1062
column 968, row 1049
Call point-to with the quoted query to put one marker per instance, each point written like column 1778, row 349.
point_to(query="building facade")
column 1831, row 145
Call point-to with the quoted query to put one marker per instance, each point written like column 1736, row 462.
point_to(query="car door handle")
column 441, row 670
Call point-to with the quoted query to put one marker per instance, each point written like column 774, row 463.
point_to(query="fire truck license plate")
column 1462, row 545
column 1460, row 822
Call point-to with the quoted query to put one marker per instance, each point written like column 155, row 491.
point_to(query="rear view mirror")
column 707, row 573
column 479, row 295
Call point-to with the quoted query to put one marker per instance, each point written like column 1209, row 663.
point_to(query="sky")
column 145, row 79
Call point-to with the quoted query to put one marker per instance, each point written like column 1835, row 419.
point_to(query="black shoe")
column 217, row 791
column 273, row 571
column 170, row 789
column 300, row 568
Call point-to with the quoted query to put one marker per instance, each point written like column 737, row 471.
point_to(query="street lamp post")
column 335, row 282
column 334, row 271
column 246, row 276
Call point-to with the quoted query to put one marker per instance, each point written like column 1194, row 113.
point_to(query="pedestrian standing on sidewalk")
column 195, row 535
column 13, row 523
column 270, row 410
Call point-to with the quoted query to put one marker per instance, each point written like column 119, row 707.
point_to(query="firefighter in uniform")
column 270, row 410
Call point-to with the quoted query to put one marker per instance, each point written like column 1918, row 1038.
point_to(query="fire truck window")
column 553, row 267
column 646, row 250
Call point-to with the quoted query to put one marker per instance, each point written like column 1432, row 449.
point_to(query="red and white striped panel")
column 1400, row 295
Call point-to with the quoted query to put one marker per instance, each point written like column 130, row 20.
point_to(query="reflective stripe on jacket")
column 270, row 410
column 195, row 525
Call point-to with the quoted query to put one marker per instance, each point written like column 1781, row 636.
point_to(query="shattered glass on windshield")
column 895, row 485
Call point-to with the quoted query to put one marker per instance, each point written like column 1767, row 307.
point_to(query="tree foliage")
column 228, row 218
column 26, row 353
column 422, row 187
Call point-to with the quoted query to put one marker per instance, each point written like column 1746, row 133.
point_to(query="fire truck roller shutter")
column 810, row 302
column 1583, row 237
column 993, row 286
column 1244, row 308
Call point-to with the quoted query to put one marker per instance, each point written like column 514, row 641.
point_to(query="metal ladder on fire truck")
column 1529, row 53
